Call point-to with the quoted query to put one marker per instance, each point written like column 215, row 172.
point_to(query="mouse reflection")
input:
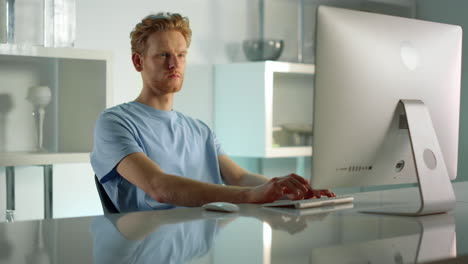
column 147, row 237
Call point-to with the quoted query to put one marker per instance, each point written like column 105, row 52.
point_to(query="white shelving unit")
column 80, row 81
column 253, row 98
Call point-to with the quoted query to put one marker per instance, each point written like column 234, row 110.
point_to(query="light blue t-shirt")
column 179, row 144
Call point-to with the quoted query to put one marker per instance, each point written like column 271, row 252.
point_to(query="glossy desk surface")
column 254, row 235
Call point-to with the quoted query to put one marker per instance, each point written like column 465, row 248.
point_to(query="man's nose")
column 173, row 62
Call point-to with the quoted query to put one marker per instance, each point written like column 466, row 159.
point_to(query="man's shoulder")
column 117, row 108
column 120, row 110
column 120, row 115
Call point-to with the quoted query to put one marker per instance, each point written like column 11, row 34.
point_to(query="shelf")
column 251, row 99
column 25, row 158
column 80, row 82
column 57, row 53
column 289, row 152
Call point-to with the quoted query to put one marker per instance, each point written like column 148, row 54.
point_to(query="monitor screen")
column 366, row 63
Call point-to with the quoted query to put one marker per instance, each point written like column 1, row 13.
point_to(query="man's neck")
column 163, row 102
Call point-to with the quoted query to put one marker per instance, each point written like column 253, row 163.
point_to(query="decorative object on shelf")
column 4, row 23
column 283, row 20
column 292, row 135
column 60, row 23
column 9, row 216
column 50, row 23
column 300, row 134
column 280, row 137
column 39, row 97
column 7, row 21
column 262, row 49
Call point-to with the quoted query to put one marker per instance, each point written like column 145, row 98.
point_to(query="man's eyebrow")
column 160, row 51
column 169, row 51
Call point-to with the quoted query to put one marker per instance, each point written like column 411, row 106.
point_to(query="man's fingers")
column 317, row 193
column 295, row 187
column 282, row 187
column 299, row 178
column 300, row 182
column 299, row 185
column 290, row 187
column 327, row 193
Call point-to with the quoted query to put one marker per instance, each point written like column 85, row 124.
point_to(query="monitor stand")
column 434, row 184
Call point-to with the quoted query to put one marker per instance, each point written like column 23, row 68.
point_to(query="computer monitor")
column 386, row 104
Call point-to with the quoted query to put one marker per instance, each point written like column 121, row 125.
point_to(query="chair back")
column 107, row 205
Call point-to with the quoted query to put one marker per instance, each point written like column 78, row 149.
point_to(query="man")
column 148, row 156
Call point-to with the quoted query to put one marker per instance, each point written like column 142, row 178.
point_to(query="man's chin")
column 176, row 90
column 166, row 88
column 174, row 85
column 170, row 90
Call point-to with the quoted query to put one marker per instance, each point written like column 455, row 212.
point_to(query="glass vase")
column 50, row 23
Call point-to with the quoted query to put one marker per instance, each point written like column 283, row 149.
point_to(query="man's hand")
column 292, row 186
column 319, row 193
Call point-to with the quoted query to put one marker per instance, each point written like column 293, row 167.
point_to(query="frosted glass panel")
column 28, row 22
column 60, row 23
column 3, row 22
column 50, row 23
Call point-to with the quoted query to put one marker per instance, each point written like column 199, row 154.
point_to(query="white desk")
column 255, row 235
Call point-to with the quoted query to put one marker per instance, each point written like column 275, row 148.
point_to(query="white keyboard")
column 309, row 203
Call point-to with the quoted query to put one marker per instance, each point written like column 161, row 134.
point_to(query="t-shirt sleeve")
column 219, row 148
column 114, row 139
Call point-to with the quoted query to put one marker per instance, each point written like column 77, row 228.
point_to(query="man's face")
column 162, row 67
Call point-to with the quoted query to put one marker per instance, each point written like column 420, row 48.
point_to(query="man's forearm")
column 253, row 179
column 235, row 175
column 138, row 169
column 181, row 191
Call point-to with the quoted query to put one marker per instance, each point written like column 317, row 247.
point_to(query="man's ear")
column 137, row 61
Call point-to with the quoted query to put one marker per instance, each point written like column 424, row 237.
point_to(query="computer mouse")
column 221, row 207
